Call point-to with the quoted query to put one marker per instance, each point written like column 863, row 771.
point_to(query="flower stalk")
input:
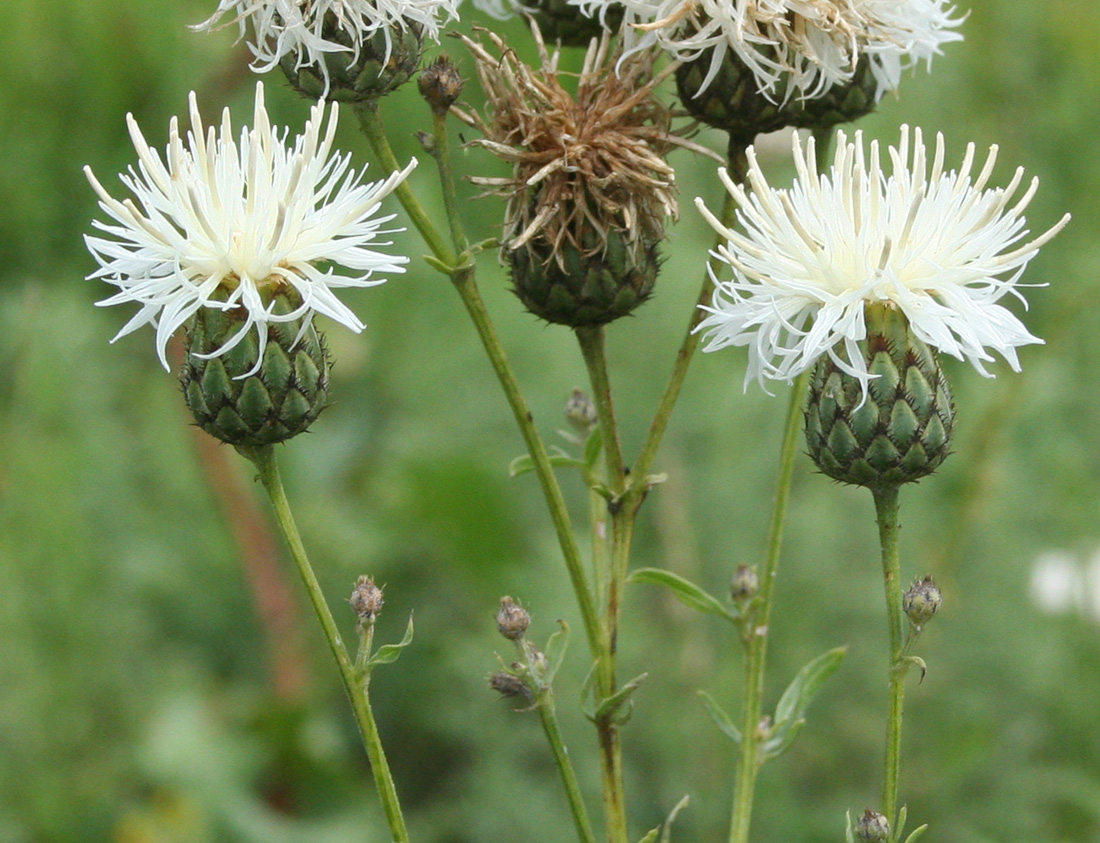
column 756, row 637
column 886, row 511
column 355, row 678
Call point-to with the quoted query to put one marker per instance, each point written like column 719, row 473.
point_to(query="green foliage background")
column 136, row 696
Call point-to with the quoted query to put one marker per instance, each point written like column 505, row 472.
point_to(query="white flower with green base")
column 225, row 222
column 938, row 244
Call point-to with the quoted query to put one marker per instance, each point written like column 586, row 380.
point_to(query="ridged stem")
column 611, row 579
column 264, row 459
column 549, row 717
column 886, row 511
column 738, row 166
column 375, row 132
column 461, row 271
column 756, row 638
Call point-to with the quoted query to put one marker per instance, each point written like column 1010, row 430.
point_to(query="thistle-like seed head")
column 590, row 188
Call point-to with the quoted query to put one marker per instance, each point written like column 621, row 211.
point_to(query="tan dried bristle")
column 584, row 164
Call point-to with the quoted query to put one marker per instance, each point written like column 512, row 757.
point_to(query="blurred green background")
column 159, row 683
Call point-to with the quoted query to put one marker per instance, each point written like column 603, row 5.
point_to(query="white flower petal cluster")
column 236, row 216
column 938, row 244
column 297, row 27
column 794, row 48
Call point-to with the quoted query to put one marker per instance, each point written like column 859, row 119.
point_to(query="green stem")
column 264, row 459
column 565, row 766
column 442, row 153
column 376, row 136
column 886, row 511
column 462, row 275
column 756, row 638
column 593, row 349
column 467, row 289
column 738, row 167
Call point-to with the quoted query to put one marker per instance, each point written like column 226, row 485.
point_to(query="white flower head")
column 938, row 244
column 240, row 216
column 798, row 48
column 278, row 28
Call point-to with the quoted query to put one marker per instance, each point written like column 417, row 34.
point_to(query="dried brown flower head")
column 590, row 162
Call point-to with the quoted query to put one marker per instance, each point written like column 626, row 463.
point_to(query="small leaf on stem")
column 685, row 591
column 722, row 720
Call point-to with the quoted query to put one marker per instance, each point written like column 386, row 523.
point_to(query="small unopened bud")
column 872, row 827
column 366, row 600
column 744, row 584
column 512, row 619
column 508, row 685
column 580, row 412
column 921, row 601
column 440, row 84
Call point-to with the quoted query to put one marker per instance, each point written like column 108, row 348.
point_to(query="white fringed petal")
column 939, row 245
column 219, row 213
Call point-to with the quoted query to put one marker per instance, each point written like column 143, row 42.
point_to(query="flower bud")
column 921, row 601
column 508, row 685
column 366, row 600
column 440, row 84
column 744, row 584
column 872, row 827
column 512, row 619
column 580, row 412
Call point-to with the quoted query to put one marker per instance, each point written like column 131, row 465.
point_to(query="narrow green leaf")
column 722, row 720
column 593, row 448
column 685, row 591
column 666, row 836
column 389, row 653
column 782, row 738
column 555, row 651
column 437, row 264
column 524, row 464
column 611, row 706
column 588, row 693
column 651, row 836
column 790, row 712
column 917, row 834
column 805, row 685
column 849, row 836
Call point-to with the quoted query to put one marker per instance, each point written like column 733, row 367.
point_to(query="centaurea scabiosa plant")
column 852, row 281
column 860, row 276
column 226, row 235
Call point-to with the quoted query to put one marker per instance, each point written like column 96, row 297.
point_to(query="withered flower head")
column 590, row 188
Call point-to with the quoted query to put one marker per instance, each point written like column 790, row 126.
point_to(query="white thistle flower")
column 937, row 244
column 793, row 47
column 297, row 27
column 241, row 217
